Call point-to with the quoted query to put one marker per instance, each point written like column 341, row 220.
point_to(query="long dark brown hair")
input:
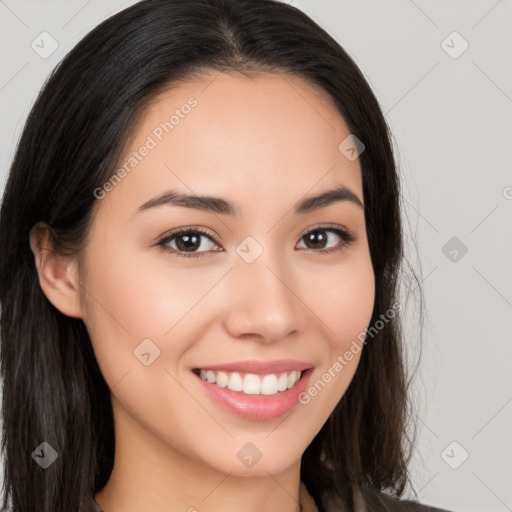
column 53, row 389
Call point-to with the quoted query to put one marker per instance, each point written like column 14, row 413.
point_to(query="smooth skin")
column 264, row 143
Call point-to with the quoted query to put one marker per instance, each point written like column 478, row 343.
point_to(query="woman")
column 199, row 292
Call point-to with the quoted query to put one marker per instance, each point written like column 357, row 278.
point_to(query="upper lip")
column 259, row 367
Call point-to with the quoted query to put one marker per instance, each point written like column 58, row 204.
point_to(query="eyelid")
column 347, row 236
column 166, row 238
column 181, row 229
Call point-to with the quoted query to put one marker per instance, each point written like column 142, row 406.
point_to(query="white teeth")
column 252, row 384
column 282, row 383
column 269, row 385
column 222, row 379
column 235, row 382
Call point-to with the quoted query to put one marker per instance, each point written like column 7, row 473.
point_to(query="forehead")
column 232, row 135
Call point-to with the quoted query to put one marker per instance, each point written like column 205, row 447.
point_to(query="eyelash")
column 347, row 238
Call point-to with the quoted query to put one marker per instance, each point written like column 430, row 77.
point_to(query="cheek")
column 344, row 299
column 138, row 293
column 133, row 297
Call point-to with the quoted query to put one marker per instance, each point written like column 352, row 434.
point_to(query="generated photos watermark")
column 343, row 360
column 151, row 142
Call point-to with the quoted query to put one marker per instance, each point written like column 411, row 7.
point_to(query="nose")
column 263, row 303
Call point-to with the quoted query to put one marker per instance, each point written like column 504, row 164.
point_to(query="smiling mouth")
column 250, row 383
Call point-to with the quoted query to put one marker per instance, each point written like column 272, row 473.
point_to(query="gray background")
column 450, row 114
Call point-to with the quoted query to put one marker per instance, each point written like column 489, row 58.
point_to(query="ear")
column 58, row 275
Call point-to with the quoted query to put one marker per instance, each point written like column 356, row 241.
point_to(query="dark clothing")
column 365, row 500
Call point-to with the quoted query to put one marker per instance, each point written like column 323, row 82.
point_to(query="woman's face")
column 258, row 284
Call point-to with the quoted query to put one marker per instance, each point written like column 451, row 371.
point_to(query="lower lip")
column 257, row 407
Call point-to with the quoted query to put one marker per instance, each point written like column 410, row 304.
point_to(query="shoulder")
column 374, row 498
column 369, row 499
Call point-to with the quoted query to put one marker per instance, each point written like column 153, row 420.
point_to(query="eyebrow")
column 222, row 206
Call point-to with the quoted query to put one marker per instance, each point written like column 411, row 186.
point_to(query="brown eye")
column 318, row 239
column 187, row 242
